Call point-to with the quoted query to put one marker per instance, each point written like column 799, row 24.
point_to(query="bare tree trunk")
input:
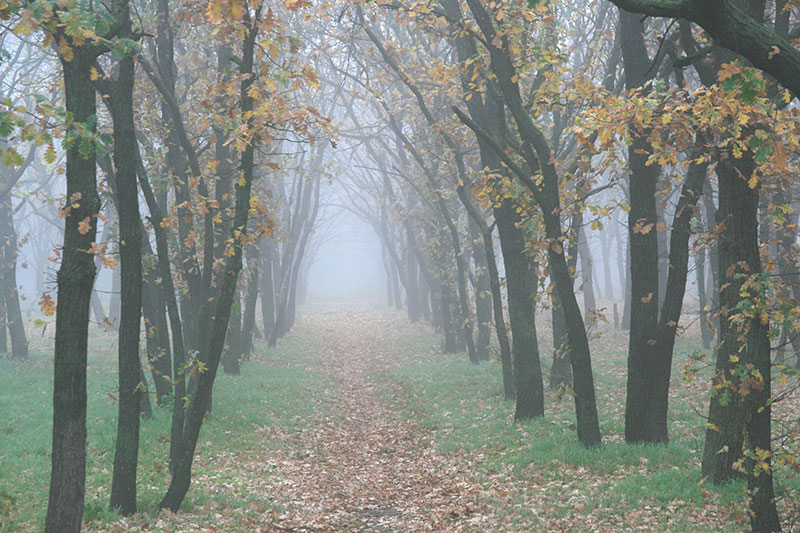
column 700, row 262
column 267, row 288
column 483, row 291
column 8, row 283
column 119, row 99
column 74, row 281
column 605, row 248
column 587, row 274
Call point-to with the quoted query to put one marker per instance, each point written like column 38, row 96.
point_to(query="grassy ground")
column 556, row 484
column 266, row 394
column 532, row 476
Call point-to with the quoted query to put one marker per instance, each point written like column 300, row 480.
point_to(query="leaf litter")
column 367, row 467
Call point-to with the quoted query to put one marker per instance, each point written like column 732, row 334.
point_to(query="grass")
column 535, row 475
column 618, row 486
column 275, row 389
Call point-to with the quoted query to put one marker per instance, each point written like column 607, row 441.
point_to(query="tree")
column 118, row 95
column 538, row 157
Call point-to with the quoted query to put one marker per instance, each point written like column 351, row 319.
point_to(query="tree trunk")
column 713, row 257
column 424, row 296
column 560, row 371
column 159, row 357
column 587, row 274
column 725, row 429
column 120, row 102
column 165, row 279
column 740, row 411
column 700, row 262
column 412, row 290
column 10, row 291
column 448, row 310
column 643, row 239
column 483, row 291
column 387, row 270
column 3, row 323
column 74, row 281
column 605, row 248
column 522, row 284
column 249, row 321
column 231, row 353
column 267, row 289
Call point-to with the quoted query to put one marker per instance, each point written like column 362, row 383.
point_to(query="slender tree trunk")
column 447, row 308
column 120, row 103
column 3, row 324
column 114, row 298
column 663, row 253
column 560, row 371
column 159, row 356
column 165, row 280
column 483, row 292
column 587, row 273
column 10, row 291
column 412, row 291
column 230, row 355
column 500, row 324
column 387, row 269
column 424, row 296
column 249, row 321
column 605, row 245
column 713, row 257
column 267, row 289
column 700, row 262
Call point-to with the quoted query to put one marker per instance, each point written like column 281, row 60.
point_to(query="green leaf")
column 86, row 147
column 12, row 158
column 50, row 154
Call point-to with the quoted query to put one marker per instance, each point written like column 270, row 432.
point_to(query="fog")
column 347, row 263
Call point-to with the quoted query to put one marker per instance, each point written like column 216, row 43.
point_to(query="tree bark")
column 267, row 289
column 483, row 291
column 10, row 291
column 738, row 419
column 119, row 99
column 522, row 284
column 74, row 284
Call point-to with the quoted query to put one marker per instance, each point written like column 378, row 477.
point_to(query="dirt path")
column 368, row 470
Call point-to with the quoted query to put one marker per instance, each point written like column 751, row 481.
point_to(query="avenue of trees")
column 629, row 161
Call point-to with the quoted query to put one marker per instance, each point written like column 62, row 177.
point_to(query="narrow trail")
column 366, row 469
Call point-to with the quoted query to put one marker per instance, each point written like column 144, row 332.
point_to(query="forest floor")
column 357, row 422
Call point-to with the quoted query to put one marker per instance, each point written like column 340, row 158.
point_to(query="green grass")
column 275, row 389
column 464, row 406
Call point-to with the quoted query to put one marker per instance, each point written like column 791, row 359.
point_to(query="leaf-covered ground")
column 357, row 422
column 419, row 441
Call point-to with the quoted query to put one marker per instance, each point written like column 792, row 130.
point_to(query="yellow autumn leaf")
column 84, row 226
column 753, row 181
column 47, row 305
column 65, row 49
